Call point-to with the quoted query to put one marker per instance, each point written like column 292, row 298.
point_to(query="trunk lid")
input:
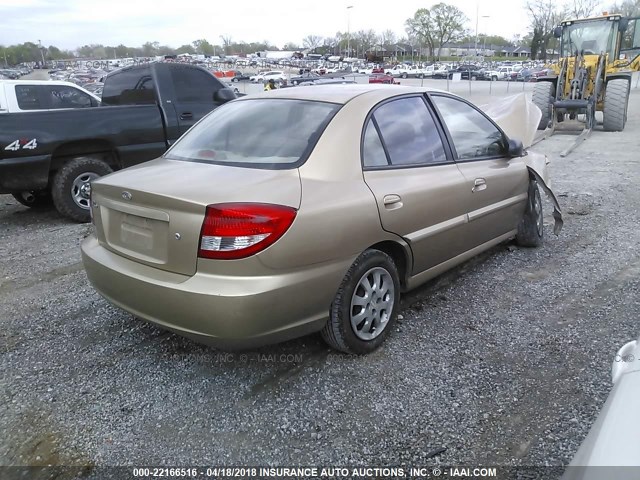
column 152, row 213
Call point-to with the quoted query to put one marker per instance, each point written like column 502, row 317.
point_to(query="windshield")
column 260, row 133
column 591, row 38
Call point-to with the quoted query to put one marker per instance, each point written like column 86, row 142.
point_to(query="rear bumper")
column 224, row 311
column 24, row 173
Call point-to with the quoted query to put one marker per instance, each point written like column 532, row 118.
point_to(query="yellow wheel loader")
column 597, row 58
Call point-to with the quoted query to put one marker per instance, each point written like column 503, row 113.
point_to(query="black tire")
column 531, row 227
column 404, row 75
column 543, row 95
column 338, row 332
column 616, row 100
column 494, row 78
column 37, row 199
column 234, row 79
column 473, row 78
column 63, row 185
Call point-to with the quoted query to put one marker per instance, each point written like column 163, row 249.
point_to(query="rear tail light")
column 239, row 230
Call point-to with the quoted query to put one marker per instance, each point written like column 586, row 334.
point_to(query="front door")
column 496, row 185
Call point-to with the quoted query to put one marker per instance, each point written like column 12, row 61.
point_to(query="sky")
column 69, row 24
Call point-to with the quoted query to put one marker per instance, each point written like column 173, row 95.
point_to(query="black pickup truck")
column 52, row 155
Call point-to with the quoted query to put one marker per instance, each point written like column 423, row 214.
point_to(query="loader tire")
column 616, row 99
column 543, row 95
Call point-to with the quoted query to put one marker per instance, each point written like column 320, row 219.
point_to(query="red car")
column 382, row 78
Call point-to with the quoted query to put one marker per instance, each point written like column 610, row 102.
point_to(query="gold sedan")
column 310, row 209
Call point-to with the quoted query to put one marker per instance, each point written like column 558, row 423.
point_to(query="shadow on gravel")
column 272, row 365
column 15, row 215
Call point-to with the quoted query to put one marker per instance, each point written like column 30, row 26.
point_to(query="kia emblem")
column 127, row 195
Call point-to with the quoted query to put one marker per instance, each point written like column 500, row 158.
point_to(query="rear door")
column 417, row 186
column 495, row 186
column 194, row 90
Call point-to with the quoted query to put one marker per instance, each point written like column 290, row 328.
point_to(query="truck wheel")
column 72, row 186
column 531, row 228
column 33, row 198
column 365, row 306
column 543, row 93
column 616, row 99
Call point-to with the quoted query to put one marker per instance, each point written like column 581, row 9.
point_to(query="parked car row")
column 14, row 73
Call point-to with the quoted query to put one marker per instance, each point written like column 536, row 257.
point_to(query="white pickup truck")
column 406, row 71
column 37, row 95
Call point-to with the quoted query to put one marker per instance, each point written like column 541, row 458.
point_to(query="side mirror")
column 224, row 95
column 515, row 148
column 557, row 32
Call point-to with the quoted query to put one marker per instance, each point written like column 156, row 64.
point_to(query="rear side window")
column 373, row 154
column 28, row 97
column 60, row 96
column 409, row 132
column 260, row 133
column 194, row 85
column 129, row 87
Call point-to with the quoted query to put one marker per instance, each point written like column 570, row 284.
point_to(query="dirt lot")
column 504, row 361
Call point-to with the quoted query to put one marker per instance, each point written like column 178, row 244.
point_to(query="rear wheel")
column 71, row 187
column 365, row 306
column 543, row 94
column 531, row 228
column 404, row 75
column 616, row 99
column 33, row 198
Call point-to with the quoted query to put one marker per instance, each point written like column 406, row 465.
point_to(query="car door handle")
column 392, row 202
column 479, row 184
column 186, row 116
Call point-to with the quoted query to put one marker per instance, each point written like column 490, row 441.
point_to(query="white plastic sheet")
column 516, row 115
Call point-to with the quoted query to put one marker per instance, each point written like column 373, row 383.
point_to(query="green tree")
column 422, row 26
column 186, row 49
column 448, row 23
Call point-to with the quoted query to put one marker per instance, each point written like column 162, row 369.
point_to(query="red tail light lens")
column 239, row 230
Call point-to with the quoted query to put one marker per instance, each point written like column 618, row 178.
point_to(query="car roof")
column 38, row 82
column 338, row 93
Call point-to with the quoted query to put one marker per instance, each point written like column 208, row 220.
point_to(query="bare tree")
column 387, row 38
column 312, row 41
column 545, row 15
column 582, row 8
column 366, row 39
column 226, row 42
column 628, row 8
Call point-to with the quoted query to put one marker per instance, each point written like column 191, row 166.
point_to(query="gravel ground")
column 502, row 361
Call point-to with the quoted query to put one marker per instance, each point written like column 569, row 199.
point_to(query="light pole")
column 41, row 52
column 484, row 42
column 349, row 30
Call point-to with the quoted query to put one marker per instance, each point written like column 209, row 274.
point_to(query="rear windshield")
column 259, row 133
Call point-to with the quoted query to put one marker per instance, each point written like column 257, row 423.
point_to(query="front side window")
column 260, row 133
column 409, row 132
column 473, row 135
column 28, row 97
column 61, row 96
